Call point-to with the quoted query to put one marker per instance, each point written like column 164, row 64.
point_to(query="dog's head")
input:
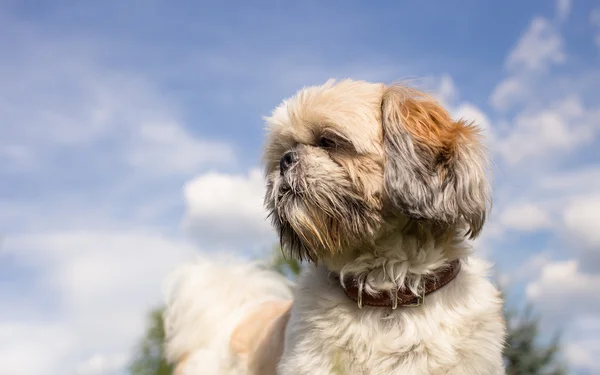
column 343, row 160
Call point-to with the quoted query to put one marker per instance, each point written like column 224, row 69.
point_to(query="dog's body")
column 378, row 185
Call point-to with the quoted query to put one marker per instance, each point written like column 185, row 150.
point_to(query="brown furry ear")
column 435, row 167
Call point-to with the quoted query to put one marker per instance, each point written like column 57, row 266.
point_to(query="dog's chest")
column 341, row 344
column 328, row 334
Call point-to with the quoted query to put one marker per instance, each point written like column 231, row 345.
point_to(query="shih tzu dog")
column 379, row 189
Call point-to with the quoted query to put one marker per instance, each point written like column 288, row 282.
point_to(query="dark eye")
column 327, row 142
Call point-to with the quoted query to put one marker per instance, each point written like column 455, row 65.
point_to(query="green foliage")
column 149, row 355
column 524, row 355
column 286, row 266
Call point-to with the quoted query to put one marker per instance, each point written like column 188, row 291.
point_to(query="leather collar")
column 403, row 297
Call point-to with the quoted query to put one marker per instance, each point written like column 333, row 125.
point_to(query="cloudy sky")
column 130, row 136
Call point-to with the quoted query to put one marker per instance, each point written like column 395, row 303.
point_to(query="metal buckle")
column 418, row 302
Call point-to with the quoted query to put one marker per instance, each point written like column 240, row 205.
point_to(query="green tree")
column 284, row 265
column 149, row 356
column 523, row 355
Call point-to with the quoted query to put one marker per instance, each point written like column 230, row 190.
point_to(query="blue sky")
column 130, row 136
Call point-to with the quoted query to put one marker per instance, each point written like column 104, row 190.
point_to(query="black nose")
column 287, row 161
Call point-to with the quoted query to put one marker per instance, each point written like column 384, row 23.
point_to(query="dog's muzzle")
column 287, row 161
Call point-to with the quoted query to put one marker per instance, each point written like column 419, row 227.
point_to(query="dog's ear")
column 435, row 167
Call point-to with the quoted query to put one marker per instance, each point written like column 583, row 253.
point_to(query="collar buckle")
column 418, row 301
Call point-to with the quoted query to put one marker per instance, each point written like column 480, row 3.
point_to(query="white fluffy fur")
column 205, row 300
column 459, row 330
column 331, row 209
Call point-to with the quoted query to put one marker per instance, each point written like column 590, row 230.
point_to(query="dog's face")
column 344, row 159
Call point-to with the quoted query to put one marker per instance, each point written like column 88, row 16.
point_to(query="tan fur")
column 349, row 108
column 378, row 183
column 349, row 113
column 428, row 122
column 180, row 364
column 258, row 339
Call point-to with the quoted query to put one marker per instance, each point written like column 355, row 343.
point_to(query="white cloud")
column 525, row 217
column 169, row 147
column 563, row 9
column 523, row 272
column 582, row 344
column 32, row 348
column 446, row 91
column 228, row 209
column 100, row 364
column 81, row 104
column 562, row 283
column 76, row 101
column 101, row 280
column 103, row 283
column 582, row 218
column 560, row 127
column 572, row 182
column 568, row 299
column 540, row 47
column 509, row 92
column 584, row 354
